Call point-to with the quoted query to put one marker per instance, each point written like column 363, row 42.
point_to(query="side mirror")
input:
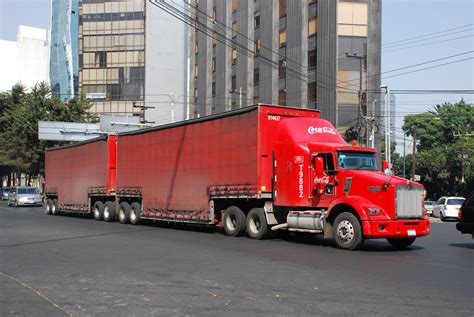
column 319, row 166
column 385, row 165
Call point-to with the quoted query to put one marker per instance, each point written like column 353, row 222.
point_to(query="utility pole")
column 463, row 156
column 388, row 142
column 142, row 114
column 240, row 93
column 404, row 154
column 413, row 163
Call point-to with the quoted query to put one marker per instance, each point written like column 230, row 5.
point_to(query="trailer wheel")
column 47, row 206
column 257, row 227
column 234, row 222
column 401, row 243
column 347, row 232
column 135, row 213
column 124, row 212
column 109, row 211
column 55, row 207
column 98, row 210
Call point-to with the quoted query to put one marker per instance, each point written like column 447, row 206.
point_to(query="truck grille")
column 409, row 201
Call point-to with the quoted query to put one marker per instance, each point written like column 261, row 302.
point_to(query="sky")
column 401, row 19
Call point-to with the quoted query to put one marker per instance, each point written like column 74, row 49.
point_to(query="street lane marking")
column 37, row 292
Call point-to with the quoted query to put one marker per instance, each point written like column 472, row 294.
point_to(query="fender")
column 359, row 203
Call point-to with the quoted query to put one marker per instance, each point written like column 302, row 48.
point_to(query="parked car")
column 448, row 207
column 429, row 204
column 5, row 192
column 466, row 217
column 24, row 196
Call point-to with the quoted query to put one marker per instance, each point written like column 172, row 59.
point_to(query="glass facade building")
column 112, row 54
column 63, row 67
column 286, row 52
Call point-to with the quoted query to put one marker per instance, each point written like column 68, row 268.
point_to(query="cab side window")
column 328, row 162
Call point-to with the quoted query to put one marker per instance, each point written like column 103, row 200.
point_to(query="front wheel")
column 234, row 222
column 401, row 243
column 257, row 227
column 347, row 232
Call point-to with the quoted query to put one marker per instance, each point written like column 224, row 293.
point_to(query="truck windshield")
column 357, row 161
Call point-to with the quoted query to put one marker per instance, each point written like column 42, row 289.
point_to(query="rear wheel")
column 98, row 210
column 257, row 227
column 234, row 221
column 109, row 211
column 401, row 243
column 124, row 212
column 55, row 207
column 47, row 206
column 441, row 216
column 135, row 213
column 347, row 232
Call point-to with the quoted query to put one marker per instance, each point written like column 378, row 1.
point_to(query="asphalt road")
column 71, row 265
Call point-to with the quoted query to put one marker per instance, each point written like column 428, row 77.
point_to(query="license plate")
column 411, row 233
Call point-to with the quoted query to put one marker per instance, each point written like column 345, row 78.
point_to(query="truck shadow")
column 463, row 245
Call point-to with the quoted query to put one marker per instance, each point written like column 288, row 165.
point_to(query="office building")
column 129, row 61
column 291, row 53
column 64, row 41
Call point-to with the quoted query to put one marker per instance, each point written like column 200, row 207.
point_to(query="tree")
column 445, row 155
column 20, row 149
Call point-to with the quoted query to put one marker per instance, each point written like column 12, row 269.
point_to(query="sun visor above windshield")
column 309, row 130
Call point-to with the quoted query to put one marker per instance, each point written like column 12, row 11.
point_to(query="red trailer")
column 257, row 170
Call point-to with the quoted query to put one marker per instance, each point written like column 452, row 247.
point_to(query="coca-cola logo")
column 314, row 130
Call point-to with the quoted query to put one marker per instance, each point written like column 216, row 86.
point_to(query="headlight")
column 375, row 211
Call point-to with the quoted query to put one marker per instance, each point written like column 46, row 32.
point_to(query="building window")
column 256, row 20
column 257, row 47
column 196, row 47
column 213, row 64
column 312, row 26
column 234, row 29
column 213, row 89
column 214, row 13
column 311, row 2
column 312, row 58
column 233, row 83
column 256, row 76
column 282, row 8
column 195, row 94
column 312, row 94
column 282, row 38
column 214, row 39
column 234, row 5
column 101, row 59
column 196, row 70
column 282, row 69
column 282, row 97
column 234, row 56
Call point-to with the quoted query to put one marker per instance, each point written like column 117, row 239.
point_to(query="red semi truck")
column 252, row 171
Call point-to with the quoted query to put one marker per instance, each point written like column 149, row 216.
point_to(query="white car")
column 448, row 207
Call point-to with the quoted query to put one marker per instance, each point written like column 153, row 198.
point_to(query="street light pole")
column 387, row 126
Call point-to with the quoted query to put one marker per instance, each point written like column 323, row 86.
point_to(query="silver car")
column 5, row 192
column 24, row 196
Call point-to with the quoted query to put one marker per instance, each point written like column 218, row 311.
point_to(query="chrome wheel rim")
column 345, row 231
column 106, row 213
column 231, row 222
column 96, row 213
column 133, row 215
column 254, row 224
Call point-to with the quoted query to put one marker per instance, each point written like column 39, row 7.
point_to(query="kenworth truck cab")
column 337, row 189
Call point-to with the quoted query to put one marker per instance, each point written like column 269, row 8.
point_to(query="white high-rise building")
column 25, row 61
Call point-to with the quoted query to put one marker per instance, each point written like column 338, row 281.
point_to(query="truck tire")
column 347, row 232
column 234, row 222
column 55, row 207
column 401, row 243
column 257, row 227
column 98, row 210
column 47, row 206
column 124, row 212
column 109, row 211
column 135, row 213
